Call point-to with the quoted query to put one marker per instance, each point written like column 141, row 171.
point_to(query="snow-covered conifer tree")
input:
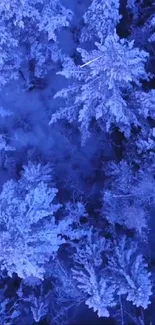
column 129, row 272
column 30, row 234
column 105, row 80
column 28, row 33
column 100, row 20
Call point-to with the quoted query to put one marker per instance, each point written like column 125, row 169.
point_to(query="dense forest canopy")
column 77, row 162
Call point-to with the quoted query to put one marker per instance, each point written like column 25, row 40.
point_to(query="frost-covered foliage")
column 10, row 59
column 51, row 299
column 100, row 20
column 34, row 298
column 28, row 34
column 36, row 173
column 77, row 222
column 89, row 275
column 30, row 234
column 125, row 274
column 4, row 114
column 100, row 291
column 6, row 148
column 65, row 296
column 130, row 270
column 145, row 143
column 144, row 34
column 74, row 212
column 104, row 80
column 8, row 315
column 152, row 28
column 145, row 102
column 128, row 198
column 30, row 231
column 4, row 145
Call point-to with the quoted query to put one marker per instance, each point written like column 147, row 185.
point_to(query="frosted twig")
column 87, row 63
